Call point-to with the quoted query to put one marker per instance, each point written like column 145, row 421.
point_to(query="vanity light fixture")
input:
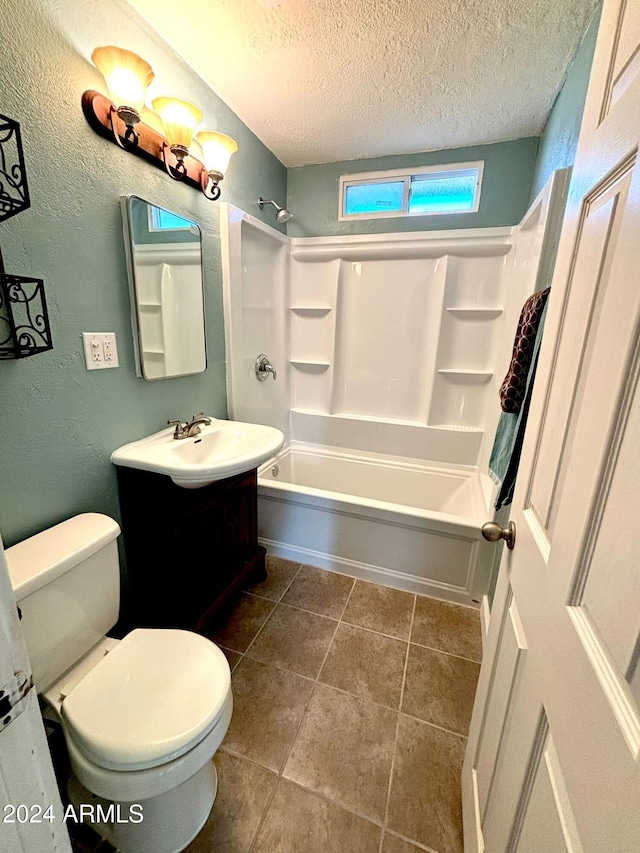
column 127, row 77
column 179, row 119
column 217, row 149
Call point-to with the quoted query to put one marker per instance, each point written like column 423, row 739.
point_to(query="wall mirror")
column 164, row 261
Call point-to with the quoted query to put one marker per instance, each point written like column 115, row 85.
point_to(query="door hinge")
column 12, row 696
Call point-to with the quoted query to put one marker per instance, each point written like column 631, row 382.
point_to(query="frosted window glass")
column 443, row 194
column 385, row 197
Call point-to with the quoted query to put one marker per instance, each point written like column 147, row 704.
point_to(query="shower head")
column 282, row 214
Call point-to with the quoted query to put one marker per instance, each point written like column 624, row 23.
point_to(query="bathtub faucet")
column 264, row 368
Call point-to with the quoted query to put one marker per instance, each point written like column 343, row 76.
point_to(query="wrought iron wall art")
column 14, row 192
column 24, row 320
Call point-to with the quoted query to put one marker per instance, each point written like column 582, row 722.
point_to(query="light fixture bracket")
column 129, row 115
column 103, row 118
column 211, row 184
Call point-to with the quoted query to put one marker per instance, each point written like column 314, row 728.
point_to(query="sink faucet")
column 188, row 430
column 193, row 427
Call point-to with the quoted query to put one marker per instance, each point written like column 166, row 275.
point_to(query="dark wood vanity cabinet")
column 187, row 550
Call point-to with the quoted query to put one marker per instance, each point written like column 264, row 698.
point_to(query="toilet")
column 142, row 716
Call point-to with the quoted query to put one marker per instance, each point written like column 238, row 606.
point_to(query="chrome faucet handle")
column 180, row 429
column 193, row 427
column 263, row 368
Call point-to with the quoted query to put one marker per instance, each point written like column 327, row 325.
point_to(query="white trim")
column 485, row 617
column 367, row 572
column 462, row 236
column 391, row 176
column 460, row 242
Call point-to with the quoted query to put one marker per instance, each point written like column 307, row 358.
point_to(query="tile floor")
column 351, row 708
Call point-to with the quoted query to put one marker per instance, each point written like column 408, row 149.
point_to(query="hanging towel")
column 507, row 446
column 513, row 388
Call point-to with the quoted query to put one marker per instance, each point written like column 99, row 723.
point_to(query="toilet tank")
column 67, row 585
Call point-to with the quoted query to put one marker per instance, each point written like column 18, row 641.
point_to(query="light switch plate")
column 100, row 350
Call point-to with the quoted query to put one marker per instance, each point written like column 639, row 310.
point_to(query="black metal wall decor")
column 14, row 192
column 24, row 320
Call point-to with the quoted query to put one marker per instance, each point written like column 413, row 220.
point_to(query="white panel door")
column 26, row 772
column 553, row 758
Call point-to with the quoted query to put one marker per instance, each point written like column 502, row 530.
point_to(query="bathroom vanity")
column 187, row 550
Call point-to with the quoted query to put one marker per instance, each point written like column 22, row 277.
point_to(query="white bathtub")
column 404, row 524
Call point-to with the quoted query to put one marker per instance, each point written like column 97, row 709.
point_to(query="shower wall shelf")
column 459, row 428
column 476, row 313
column 302, row 364
column 473, row 376
column 311, row 309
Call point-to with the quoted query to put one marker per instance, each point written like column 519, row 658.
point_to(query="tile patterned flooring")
column 351, row 708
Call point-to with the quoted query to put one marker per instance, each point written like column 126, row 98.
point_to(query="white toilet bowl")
column 142, row 716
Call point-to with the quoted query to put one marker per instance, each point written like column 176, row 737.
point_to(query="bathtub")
column 402, row 523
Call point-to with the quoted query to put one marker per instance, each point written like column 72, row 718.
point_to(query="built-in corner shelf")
column 153, row 351
column 476, row 313
column 310, row 365
column 311, row 310
column 472, row 377
column 150, row 304
column 458, row 428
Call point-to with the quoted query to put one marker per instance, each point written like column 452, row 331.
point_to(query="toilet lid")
column 151, row 699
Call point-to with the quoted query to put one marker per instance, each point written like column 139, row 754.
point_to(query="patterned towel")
column 513, row 388
column 507, row 447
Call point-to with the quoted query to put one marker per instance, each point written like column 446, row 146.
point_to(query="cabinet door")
column 217, row 529
column 241, row 520
column 185, row 548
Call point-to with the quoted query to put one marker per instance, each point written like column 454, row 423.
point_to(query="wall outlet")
column 100, row 350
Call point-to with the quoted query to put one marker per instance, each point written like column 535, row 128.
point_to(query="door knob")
column 492, row 532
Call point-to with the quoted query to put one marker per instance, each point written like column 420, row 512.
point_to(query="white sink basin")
column 222, row 449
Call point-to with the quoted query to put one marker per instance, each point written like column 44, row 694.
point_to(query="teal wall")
column 312, row 191
column 58, row 422
column 559, row 140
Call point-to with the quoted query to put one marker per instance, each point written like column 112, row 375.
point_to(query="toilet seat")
column 153, row 698
column 135, row 786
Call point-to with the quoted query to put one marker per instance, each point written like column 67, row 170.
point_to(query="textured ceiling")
column 325, row 80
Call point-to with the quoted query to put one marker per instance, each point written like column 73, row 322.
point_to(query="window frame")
column 406, row 175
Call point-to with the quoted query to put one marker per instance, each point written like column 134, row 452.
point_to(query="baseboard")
column 367, row 572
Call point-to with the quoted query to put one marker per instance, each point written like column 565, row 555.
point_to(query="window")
column 164, row 220
column 421, row 192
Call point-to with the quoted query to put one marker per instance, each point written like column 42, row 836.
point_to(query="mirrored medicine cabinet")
column 164, row 262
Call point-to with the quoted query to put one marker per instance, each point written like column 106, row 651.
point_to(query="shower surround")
column 390, row 350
